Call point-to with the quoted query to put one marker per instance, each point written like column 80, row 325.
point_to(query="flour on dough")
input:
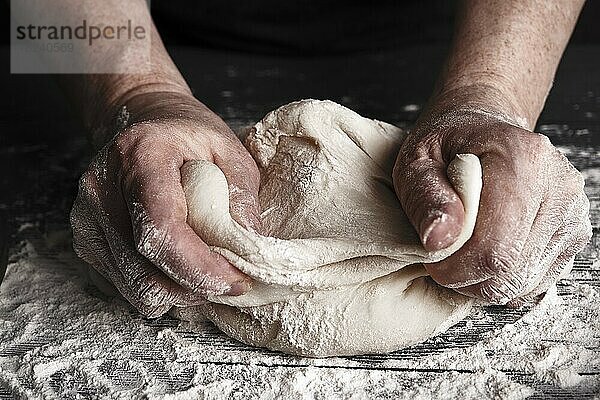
column 334, row 268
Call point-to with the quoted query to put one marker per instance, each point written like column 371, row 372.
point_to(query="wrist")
column 144, row 101
column 485, row 99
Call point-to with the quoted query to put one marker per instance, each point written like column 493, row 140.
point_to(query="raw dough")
column 335, row 266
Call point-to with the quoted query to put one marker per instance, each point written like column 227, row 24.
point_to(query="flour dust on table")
column 337, row 265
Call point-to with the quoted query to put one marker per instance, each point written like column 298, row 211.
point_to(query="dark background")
column 43, row 148
column 312, row 27
column 242, row 24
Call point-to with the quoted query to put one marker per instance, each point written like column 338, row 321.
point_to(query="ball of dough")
column 337, row 268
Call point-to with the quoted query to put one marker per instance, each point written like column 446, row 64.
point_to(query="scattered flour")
column 62, row 339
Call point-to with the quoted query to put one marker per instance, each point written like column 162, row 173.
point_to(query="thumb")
column 243, row 180
column 429, row 201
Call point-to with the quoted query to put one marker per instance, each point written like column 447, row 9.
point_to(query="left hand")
column 130, row 216
column 533, row 214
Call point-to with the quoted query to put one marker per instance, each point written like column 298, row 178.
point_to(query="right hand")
column 129, row 217
column 533, row 213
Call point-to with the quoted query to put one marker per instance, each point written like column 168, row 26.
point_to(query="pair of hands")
column 129, row 218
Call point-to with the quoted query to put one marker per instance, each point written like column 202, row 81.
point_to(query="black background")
column 37, row 122
column 427, row 21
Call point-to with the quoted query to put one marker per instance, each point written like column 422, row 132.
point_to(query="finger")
column 429, row 201
column 505, row 219
column 243, row 180
column 147, row 289
column 561, row 266
column 559, row 269
column 89, row 245
column 569, row 239
column 151, row 297
column 88, row 237
column 554, row 228
column 534, row 263
column 158, row 210
column 150, row 290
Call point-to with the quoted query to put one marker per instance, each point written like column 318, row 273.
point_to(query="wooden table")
column 43, row 151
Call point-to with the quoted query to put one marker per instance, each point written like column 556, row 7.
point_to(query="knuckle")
column 85, row 233
column 416, row 148
column 499, row 258
column 494, row 294
column 84, row 252
column 154, row 298
column 126, row 156
column 574, row 212
column 570, row 178
column 533, row 144
column 578, row 180
column 151, row 293
column 532, row 150
column 88, row 187
column 573, row 208
column 411, row 176
column 582, row 237
column 151, row 238
column 541, row 141
column 508, row 278
column 134, row 146
column 502, row 289
column 125, row 140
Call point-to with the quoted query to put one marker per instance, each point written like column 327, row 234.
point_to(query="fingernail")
column 439, row 232
column 429, row 227
column 240, row 287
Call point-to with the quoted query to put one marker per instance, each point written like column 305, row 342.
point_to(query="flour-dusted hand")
column 533, row 215
column 129, row 218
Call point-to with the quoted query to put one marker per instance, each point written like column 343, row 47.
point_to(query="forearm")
column 112, row 91
column 102, row 97
column 138, row 94
column 504, row 56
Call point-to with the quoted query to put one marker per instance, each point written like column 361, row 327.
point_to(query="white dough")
column 333, row 267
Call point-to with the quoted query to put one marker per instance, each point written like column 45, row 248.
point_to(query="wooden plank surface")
column 42, row 152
